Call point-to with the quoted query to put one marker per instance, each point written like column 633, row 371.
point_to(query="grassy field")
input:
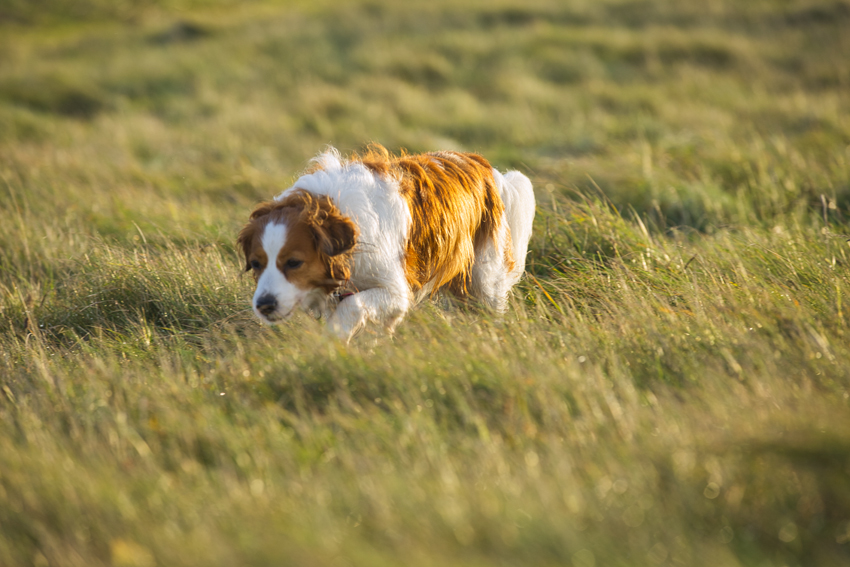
column 669, row 387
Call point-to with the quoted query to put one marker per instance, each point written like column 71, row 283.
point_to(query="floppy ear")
column 265, row 208
column 245, row 238
column 246, row 235
column 334, row 232
column 335, row 238
column 336, row 235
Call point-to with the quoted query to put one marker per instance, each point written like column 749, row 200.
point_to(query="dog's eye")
column 255, row 265
column 292, row 263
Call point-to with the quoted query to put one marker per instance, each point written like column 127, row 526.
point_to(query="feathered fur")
column 395, row 228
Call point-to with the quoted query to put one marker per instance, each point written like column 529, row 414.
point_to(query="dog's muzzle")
column 266, row 304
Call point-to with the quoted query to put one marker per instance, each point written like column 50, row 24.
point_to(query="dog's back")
column 425, row 222
column 455, row 208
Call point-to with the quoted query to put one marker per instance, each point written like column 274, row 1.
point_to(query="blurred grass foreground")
column 669, row 387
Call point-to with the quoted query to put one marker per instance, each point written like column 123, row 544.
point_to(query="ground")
column 669, row 387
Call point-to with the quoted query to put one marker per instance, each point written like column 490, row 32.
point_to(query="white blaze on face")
column 272, row 282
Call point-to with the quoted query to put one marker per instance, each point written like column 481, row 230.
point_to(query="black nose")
column 266, row 304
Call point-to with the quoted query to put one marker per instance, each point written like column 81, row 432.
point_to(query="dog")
column 363, row 239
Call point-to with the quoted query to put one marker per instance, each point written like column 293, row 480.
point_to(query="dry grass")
column 670, row 386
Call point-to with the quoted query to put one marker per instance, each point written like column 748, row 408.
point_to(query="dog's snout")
column 266, row 304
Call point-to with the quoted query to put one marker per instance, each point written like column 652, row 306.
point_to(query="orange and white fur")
column 363, row 239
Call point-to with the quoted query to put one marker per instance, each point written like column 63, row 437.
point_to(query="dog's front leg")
column 379, row 305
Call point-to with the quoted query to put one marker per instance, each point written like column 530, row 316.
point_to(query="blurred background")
column 669, row 387
column 675, row 109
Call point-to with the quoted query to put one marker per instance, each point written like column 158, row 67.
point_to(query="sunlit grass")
column 669, row 387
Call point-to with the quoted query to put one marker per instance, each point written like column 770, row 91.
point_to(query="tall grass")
column 669, row 387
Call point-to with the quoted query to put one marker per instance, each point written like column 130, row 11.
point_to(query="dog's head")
column 299, row 249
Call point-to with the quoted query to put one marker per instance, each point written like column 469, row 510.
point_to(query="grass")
column 669, row 387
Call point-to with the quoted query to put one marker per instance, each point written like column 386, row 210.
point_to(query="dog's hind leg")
column 518, row 197
column 499, row 264
column 489, row 274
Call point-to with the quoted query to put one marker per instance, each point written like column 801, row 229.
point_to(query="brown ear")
column 336, row 235
column 265, row 208
column 335, row 238
column 246, row 235
column 245, row 240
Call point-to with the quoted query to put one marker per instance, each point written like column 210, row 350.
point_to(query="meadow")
column 671, row 383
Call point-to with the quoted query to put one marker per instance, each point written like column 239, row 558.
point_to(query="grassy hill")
column 671, row 385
